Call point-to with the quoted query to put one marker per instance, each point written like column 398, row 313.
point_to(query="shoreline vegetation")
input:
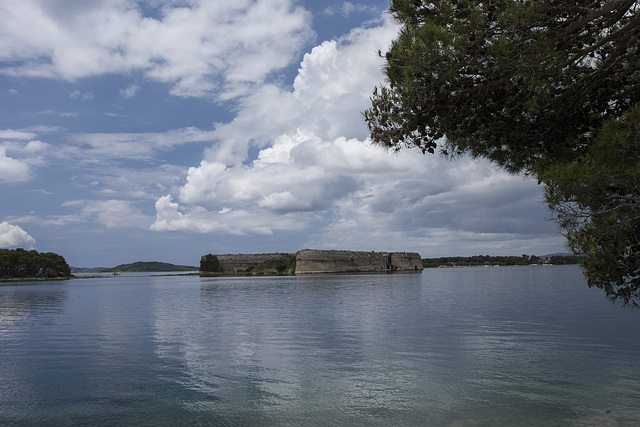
column 499, row 261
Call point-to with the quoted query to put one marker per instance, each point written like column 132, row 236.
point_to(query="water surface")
column 469, row 346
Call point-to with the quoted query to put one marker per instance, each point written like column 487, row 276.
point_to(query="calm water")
column 459, row 347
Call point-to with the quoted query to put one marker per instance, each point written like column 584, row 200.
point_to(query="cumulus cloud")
column 333, row 85
column 199, row 47
column 314, row 169
column 13, row 170
column 12, row 236
column 17, row 166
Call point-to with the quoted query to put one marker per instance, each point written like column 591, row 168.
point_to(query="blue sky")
column 162, row 130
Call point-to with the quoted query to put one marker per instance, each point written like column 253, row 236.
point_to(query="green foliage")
column 210, row 264
column 285, row 264
column 564, row 260
column 596, row 200
column 519, row 82
column 23, row 263
column 476, row 261
column 148, row 266
column 479, row 260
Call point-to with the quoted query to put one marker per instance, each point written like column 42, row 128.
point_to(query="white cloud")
column 348, row 8
column 130, row 91
column 12, row 236
column 50, row 220
column 111, row 213
column 140, row 183
column 299, row 172
column 199, row 47
column 315, row 170
column 310, row 157
column 35, row 146
column 333, row 86
column 13, row 170
column 17, row 166
column 10, row 134
column 225, row 221
column 76, row 94
column 140, row 146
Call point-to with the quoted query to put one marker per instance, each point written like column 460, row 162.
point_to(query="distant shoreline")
column 104, row 275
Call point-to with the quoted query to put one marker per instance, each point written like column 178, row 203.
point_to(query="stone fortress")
column 310, row 261
column 314, row 261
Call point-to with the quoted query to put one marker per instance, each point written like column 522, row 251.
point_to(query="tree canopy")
column 151, row 266
column 210, row 264
column 545, row 88
column 23, row 263
column 597, row 202
column 518, row 82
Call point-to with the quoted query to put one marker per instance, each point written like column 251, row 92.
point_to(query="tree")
column 210, row 264
column 597, row 201
column 526, row 84
column 22, row 263
column 518, row 82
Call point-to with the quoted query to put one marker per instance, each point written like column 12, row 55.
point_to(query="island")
column 312, row 261
column 20, row 264
column 138, row 267
column 151, row 266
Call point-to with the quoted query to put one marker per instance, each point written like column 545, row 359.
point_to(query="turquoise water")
column 458, row 347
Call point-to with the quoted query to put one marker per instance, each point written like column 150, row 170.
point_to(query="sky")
column 163, row 130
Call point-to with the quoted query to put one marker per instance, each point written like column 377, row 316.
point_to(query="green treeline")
column 151, row 266
column 21, row 263
column 210, row 264
column 496, row 260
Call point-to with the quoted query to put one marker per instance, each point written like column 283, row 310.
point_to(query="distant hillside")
column 151, row 266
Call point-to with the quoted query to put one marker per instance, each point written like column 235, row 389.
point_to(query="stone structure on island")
column 310, row 261
column 274, row 263
column 313, row 261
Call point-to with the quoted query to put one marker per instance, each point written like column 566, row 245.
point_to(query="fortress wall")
column 403, row 261
column 311, row 261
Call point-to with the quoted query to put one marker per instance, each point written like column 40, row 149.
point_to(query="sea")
column 496, row 346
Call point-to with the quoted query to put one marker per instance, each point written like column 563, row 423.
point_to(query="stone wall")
column 310, row 261
column 406, row 261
